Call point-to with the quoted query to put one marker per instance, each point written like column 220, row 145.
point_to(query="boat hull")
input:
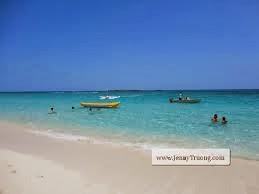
column 100, row 104
column 192, row 101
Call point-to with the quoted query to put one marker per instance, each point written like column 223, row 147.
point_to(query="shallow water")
column 146, row 118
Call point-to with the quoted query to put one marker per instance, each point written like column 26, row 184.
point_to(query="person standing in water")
column 180, row 96
column 214, row 118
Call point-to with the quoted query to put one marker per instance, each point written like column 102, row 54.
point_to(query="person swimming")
column 224, row 121
column 52, row 111
column 214, row 118
column 73, row 107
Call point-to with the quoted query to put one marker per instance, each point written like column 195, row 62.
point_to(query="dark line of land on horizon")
column 125, row 90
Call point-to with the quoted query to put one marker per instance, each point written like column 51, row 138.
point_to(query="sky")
column 130, row 44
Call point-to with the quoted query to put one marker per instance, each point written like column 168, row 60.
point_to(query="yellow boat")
column 100, row 104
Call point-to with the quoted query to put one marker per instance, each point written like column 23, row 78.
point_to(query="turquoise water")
column 146, row 118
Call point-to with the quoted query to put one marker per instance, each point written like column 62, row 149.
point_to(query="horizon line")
column 125, row 90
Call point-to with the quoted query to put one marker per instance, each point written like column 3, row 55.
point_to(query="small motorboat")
column 184, row 100
column 108, row 97
column 100, row 104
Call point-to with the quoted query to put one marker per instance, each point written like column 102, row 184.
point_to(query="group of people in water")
column 180, row 98
column 214, row 119
column 183, row 98
column 52, row 110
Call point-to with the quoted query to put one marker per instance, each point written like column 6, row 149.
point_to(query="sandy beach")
column 31, row 163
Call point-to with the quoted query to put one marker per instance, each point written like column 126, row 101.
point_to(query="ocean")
column 145, row 119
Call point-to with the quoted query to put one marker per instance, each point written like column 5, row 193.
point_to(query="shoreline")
column 106, row 139
column 104, row 168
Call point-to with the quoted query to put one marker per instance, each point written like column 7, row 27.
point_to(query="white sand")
column 22, row 173
column 30, row 163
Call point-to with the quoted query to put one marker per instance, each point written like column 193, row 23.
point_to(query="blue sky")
column 130, row 44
